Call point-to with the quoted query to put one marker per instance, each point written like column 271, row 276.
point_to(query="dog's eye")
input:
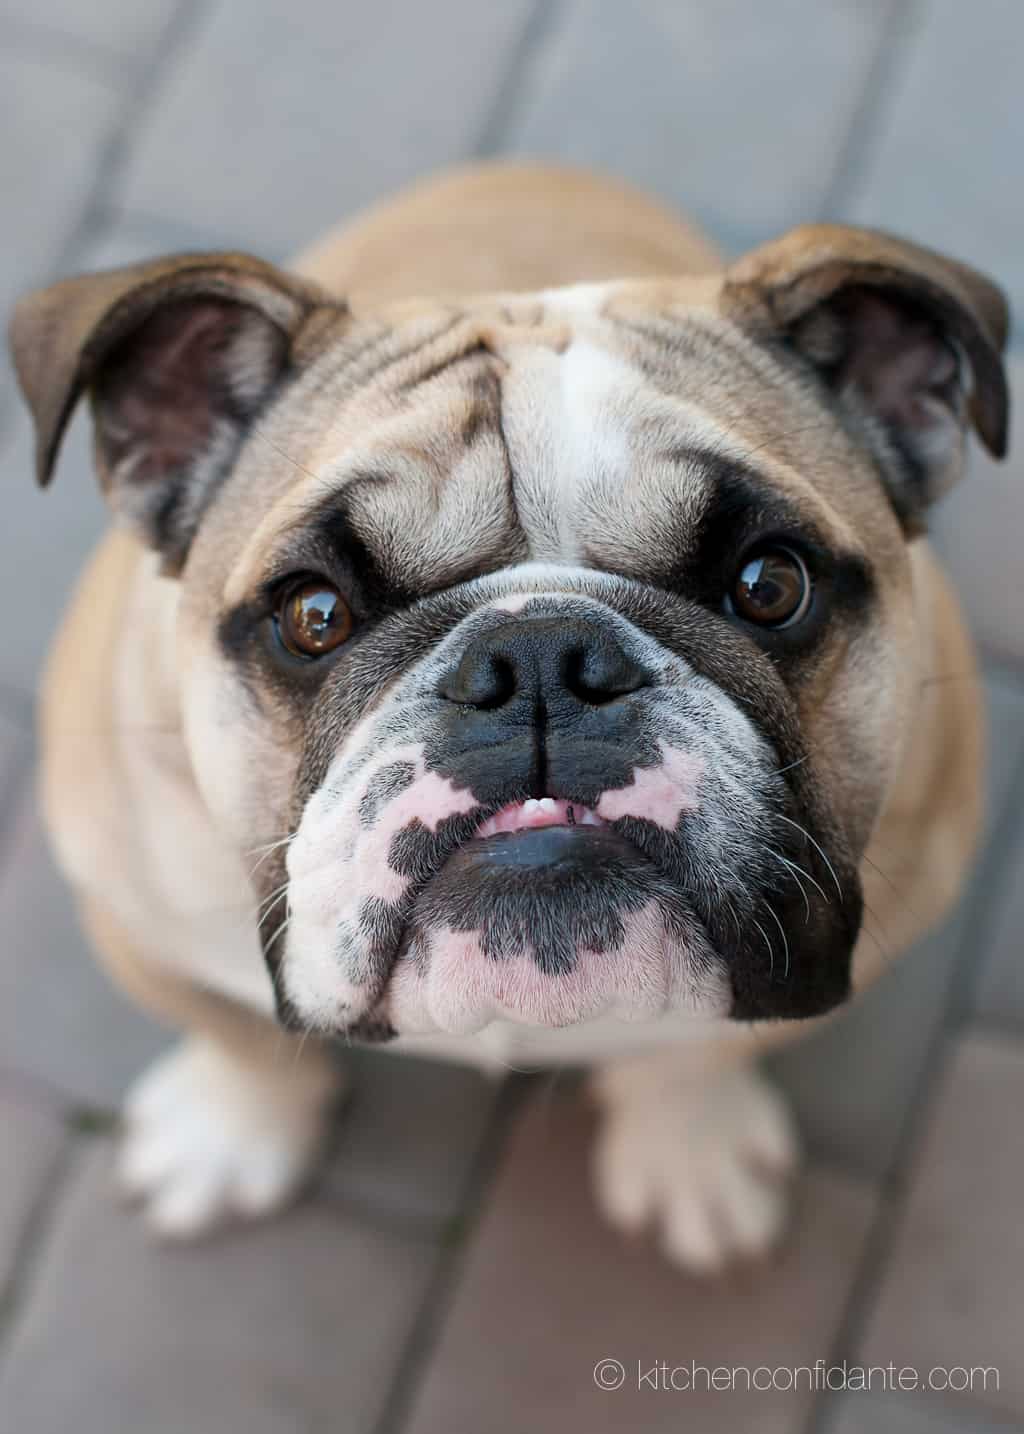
column 772, row 588
column 313, row 618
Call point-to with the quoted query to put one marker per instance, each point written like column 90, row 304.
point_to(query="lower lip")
column 546, row 847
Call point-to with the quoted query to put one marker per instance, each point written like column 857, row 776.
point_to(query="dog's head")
column 560, row 649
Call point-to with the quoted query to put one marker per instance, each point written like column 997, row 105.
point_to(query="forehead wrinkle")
column 777, row 418
column 776, row 424
column 430, row 480
column 432, row 534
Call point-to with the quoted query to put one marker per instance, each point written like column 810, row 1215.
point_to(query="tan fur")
column 512, row 228
column 112, row 710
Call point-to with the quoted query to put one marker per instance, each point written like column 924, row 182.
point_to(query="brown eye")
column 313, row 618
column 773, row 589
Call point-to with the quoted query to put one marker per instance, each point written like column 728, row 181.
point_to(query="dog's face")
column 559, row 649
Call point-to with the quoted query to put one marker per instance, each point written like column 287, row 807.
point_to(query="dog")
column 518, row 643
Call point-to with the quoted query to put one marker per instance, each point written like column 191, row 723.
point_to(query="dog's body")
column 163, row 790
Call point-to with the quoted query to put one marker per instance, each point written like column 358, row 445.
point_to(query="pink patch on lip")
column 429, row 800
column 538, row 812
column 456, row 987
column 327, row 889
column 657, row 794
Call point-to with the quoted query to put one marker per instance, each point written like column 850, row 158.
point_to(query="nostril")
column 601, row 671
column 501, row 686
column 484, row 680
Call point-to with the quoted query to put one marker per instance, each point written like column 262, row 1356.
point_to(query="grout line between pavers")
column 143, row 94
column 992, row 880
column 441, row 1289
column 40, row 1224
column 537, row 29
column 140, row 94
column 389, row 1219
column 893, row 1188
column 896, row 34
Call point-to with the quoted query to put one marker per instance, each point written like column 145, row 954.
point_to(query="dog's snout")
column 544, row 662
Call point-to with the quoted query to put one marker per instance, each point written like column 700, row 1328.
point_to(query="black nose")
column 544, row 661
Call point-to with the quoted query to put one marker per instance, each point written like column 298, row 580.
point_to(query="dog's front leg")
column 696, row 1144
column 232, row 1121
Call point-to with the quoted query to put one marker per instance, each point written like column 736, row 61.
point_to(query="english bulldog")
column 517, row 643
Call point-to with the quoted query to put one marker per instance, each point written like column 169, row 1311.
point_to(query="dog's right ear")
column 178, row 356
column 908, row 340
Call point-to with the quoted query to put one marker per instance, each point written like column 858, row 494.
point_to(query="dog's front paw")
column 207, row 1137
column 705, row 1164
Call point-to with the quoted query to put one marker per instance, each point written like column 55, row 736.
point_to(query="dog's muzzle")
column 546, row 823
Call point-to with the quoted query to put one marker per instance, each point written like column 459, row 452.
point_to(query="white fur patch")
column 703, row 1159
column 207, row 1137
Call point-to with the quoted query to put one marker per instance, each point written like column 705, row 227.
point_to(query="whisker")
column 782, row 933
column 892, row 885
column 270, row 845
column 817, row 848
column 799, row 761
column 286, row 456
column 279, row 896
column 280, row 930
column 792, row 871
column 803, row 872
column 735, row 917
column 268, row 851
column 771, row 949
column 301, row 1046
column 885, row 955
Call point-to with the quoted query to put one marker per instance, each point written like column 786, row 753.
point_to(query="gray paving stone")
column 54, row 121
column 15, row 755
column 32, row 1134
column 61, row 1021
column 852, row 1083
column 950, row 1294
column 271, row 131
column 294, row 1326
column 127, row 28
column 1000, row 990
column 978, row 530
column 906, row 1414
column 948, row 140
column 736, row 112
column 548, row 1290
column 410, row 1135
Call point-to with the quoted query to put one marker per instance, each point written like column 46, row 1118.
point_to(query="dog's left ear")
column 178, row 356
column 890, row 327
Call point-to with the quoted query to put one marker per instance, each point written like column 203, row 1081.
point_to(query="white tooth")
column 546, row 804
column 531, row 804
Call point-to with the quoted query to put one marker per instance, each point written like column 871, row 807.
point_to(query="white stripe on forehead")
column 583, row 428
